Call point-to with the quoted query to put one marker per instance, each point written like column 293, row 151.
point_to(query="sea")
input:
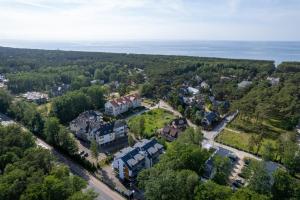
column 261, row 50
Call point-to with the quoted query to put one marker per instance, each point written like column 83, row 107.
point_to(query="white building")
column 131, row 160
column 192, row 90
column 123, row 104
column 108, row 132
column 36, row 97
column 204, row 85
column 244, row 84
column 89, row 126
column 273, row 80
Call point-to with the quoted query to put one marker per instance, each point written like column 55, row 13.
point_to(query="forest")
column 268, row 114
column 29, row 172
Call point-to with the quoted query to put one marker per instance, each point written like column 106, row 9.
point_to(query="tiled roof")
column 124, row 100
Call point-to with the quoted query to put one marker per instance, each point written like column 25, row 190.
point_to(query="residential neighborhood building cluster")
column 131, row 160
column 123, row 104
column 36, row 97
column 90, row 125
column 196, row 96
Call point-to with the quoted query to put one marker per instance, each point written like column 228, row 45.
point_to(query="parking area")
column 104, row 151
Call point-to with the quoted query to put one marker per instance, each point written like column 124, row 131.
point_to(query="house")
column 210, row 118
column 244, row 84
column 90, row 125
column 131, row 160
column 204, row 85
column 59, row 90
column 209, row 169
column 108, row 132
column 173, row 130
column 123, row 104
column 273, row 81
column 86, row 122
column 36, row 97
column 192, row 90
column 3, row 79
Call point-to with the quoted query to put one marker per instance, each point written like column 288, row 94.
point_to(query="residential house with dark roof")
column 172, row 131
column 123, row 104
column 90, row 125
column 209, row 169
column 210, row 118
column 131, row 160
column 108, row 132
column 86, row 122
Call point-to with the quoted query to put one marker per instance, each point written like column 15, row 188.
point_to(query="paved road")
column 105, row 193
column 210, row 135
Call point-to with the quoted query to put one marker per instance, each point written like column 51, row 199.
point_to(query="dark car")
column 86, row 155
column 107, row 153
column 238, row 183
column 233, row 157
column 81, row 152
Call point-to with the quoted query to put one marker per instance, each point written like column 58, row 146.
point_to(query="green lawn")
column 240, row 140
column 154, row 119
column 268, row 127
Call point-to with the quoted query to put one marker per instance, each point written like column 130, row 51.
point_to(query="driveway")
column 211, row 135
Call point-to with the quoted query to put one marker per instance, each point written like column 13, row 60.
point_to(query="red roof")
column 124, row 100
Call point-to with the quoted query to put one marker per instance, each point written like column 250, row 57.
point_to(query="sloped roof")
column 124, row 100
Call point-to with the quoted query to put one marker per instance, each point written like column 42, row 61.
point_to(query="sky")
column 109, row 20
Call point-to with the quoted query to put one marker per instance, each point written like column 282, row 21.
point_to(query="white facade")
column 121, row 105
column 129, row 161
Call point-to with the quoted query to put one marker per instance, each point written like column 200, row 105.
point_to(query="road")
column 209, row 136
column 105, row 193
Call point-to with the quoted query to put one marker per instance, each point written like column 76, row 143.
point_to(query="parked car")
column 233, row 157
column 86, row 155
column 81, row 152
column 238, row 183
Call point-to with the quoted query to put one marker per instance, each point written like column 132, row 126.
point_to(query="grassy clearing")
column 45, row 109
column 154, row 119
column 251, row 126
column 240, row 140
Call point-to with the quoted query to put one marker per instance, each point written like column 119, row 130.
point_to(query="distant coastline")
column 259, row 50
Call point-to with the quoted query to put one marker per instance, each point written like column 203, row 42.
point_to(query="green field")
column 268, row 127
column 241, row 141
column 154, row 119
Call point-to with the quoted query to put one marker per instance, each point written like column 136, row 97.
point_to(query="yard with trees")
column 148, row 123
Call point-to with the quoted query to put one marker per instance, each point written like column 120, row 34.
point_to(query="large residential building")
column 123, row 104
column 131, row 160
column 90, row 125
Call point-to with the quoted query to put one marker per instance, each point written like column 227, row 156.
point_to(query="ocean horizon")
column 277, row 51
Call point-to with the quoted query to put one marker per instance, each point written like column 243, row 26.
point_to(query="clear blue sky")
column 96, row 20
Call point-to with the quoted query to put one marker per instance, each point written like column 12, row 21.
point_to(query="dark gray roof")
column 119, row 123
column 104, row 129
column 210, row 116
column 149, row 146
column 133, row 156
